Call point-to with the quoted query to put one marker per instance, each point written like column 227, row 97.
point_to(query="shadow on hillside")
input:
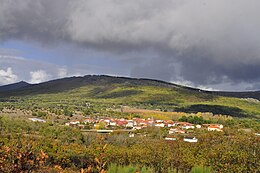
column 215, row 109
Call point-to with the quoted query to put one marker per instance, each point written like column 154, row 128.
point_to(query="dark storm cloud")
column 205, row 42
column 37, row 20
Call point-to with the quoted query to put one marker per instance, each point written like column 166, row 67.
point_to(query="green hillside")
column 105, row 92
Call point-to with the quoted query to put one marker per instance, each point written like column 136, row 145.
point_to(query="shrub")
column 201, row 169
column 113, row 168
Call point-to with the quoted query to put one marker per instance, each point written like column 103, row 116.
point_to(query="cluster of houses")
column 184, row 127
column 106, row 125
column 140, row 123
column 175, row 128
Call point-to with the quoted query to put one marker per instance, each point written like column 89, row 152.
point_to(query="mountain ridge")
column 14, row 86
column 69, row 83
column 109, row 91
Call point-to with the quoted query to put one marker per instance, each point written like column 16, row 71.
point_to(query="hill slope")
column 106, row 91
column 59, row 85
column 249, row 94
column 65, row 84
column 14, row 86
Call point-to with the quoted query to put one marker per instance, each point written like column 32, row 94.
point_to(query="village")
column 134, row 125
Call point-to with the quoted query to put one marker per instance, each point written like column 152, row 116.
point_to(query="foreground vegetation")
column 43, row 147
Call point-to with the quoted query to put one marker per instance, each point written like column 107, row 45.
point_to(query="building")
column 190, row 139
column 214, row 128
column 170, row 138
column 175, row 130
column 37, row 120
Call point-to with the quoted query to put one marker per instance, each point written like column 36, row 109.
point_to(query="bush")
column 21, row 159
column 39, row 114
column 68, row 112
column 42, row 114
column 201, row 169
column 113, row 168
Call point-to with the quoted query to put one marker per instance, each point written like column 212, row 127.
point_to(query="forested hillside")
column 108, row 91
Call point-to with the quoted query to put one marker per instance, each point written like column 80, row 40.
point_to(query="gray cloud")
column 203, row 42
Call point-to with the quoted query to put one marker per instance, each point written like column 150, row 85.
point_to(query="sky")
column 208, row 44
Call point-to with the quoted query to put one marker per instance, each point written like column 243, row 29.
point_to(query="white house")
column 186, row 127
column 159, row 121
column 74, row 122
column 130, row 124
column 170, row 139
column 171, row 125
column 137, row 127
column 37, row 120
column 112, row 123
column 190, row 139
column 159, row 125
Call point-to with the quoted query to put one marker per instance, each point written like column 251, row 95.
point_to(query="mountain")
column 109, row 91
column 14, row 86
column 245, row 94
column 64, row 84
